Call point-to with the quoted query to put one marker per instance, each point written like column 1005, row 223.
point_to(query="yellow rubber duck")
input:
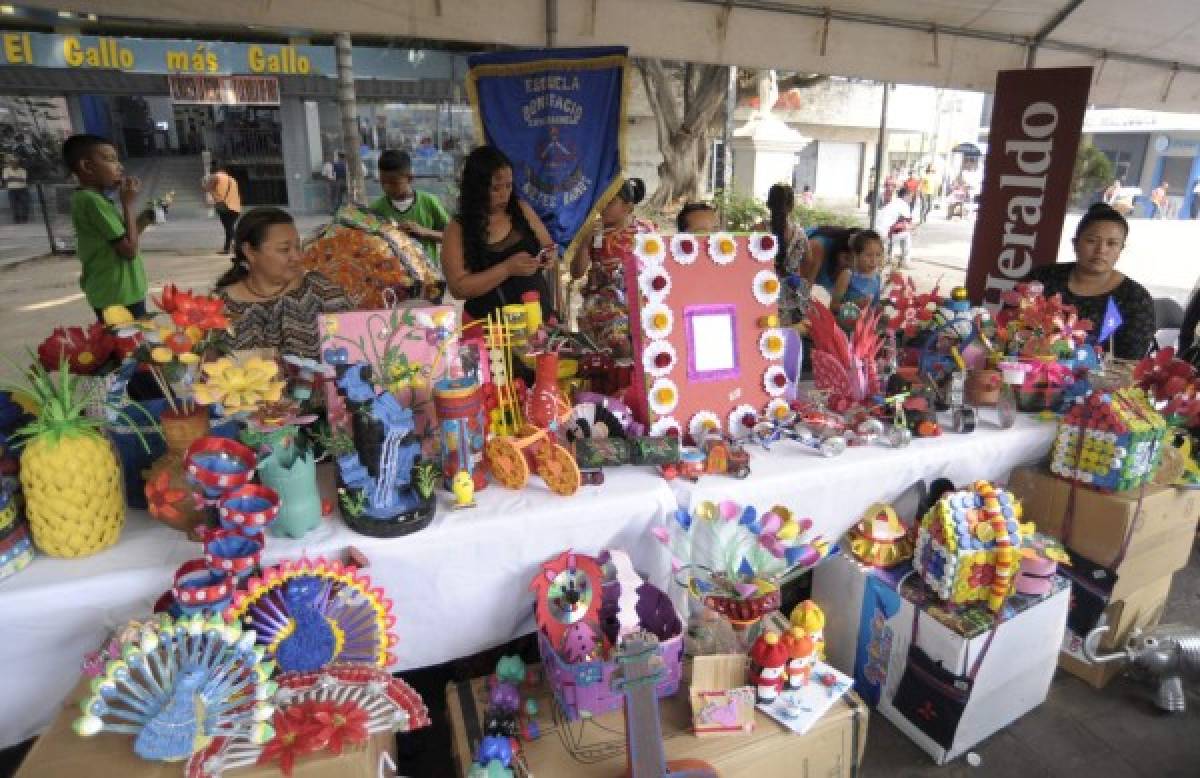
column 463, row 487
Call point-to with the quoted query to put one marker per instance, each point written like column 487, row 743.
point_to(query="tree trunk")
column 685, row 104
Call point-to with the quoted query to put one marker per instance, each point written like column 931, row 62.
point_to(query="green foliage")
column 1093, row 172
column 740, row 212
column 820, row 217
column 353, row 502
column 336, row 443
column 425, row 480
column 743, row 212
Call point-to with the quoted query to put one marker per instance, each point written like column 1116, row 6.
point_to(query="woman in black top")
column 495, row 249
column 1092, row 279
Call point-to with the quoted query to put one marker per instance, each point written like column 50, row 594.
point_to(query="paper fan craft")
column 655, row 283
column 742, row 420
column 664, row 396
column 657, row 321
column 568, row 591
column 666, row 426
column 311, row 613
column 766, row 287
column 649, row 247
column 659, row 359
column 344, row 705
column 179, row 683
column 735, row 560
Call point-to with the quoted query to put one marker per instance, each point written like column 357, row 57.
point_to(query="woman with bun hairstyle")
column 792, row 257
column 1089, row 282
column 604, row 315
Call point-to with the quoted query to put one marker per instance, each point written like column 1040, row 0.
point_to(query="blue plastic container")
column 136, row 457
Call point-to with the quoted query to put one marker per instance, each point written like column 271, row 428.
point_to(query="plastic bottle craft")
column 311, row 613
column 969, row 545
column 734, row 561
column 879, row 539
column 180, row 683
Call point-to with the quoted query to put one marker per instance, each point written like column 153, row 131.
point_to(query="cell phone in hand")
column 546, row 256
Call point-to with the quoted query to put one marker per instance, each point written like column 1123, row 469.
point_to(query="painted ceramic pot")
column 166, row 489
column 983, row 387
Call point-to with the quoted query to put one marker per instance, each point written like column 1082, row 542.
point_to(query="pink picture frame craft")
column 408, row 349
column 704, row 318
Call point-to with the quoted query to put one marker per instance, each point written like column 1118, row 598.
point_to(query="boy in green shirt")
column 420, row 214
column 113, row 273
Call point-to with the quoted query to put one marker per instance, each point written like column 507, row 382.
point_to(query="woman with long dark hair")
column 271, row 301
column 791, row 259
column 604, row 314
column 495, row 249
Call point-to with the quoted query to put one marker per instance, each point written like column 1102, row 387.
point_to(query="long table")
column 460, row 586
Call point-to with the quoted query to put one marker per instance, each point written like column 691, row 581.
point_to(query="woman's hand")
column 523, row 264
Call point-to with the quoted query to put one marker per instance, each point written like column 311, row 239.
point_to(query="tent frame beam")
column 1048, row 28
column 822, row 12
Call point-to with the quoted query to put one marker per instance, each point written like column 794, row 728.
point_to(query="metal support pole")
column 880, row 154
column 727, row 133
column 551, row 23
column 348, row 107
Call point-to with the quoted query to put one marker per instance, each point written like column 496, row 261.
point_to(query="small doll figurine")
column 802, row 656
column 809, row 617
column 768, row 666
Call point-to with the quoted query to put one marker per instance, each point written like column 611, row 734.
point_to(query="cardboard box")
column 596, row 748
column 857, row 601
column 1161, row 541
column 721, row 679
column 1141, row 609
column 59, row 752
column 1014, row 678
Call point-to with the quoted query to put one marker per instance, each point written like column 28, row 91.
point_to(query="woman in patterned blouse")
column 272, row 302
column 1092, row 279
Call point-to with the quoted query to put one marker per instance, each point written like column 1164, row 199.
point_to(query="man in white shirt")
column 17, row 184
column 894, row 223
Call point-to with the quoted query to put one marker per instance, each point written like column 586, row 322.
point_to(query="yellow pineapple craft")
column 70, row 475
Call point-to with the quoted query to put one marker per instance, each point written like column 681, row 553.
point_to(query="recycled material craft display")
column 708, row 348
column 1112, row 442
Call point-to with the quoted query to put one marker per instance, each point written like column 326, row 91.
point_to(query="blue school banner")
column 559, row 115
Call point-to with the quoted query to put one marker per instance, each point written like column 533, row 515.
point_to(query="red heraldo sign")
column 1036, row 123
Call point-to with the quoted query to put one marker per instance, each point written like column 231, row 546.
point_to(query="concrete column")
column 348, row 106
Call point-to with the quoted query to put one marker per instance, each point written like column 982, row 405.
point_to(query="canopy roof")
column 1146, row 54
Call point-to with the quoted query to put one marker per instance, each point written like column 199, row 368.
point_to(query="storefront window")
column 32, row 129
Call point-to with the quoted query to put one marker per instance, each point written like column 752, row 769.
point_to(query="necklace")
column 264, row 295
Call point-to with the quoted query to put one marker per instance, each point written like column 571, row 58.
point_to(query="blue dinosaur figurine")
column 312, row 643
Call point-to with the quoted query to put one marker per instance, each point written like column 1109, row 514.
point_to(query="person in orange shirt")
column 226, row 198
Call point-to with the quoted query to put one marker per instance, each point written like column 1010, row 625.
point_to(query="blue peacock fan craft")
column 310, row 613
column 178, row 684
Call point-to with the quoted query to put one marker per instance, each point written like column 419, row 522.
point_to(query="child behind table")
column 860, row 283
column 420, row 214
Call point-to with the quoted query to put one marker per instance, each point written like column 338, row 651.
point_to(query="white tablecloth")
column 835, row 492
column 458, row 587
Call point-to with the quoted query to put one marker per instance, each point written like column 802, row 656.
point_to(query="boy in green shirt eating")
column 420, row 214
column 113, row 273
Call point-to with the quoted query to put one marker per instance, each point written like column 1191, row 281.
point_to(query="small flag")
column 1112, row 321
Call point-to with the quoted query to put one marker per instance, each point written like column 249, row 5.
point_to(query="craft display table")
column 459, row 585
column 835, row 492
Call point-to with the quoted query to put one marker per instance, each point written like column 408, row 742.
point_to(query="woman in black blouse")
column 495, row 249
column 1092, row 279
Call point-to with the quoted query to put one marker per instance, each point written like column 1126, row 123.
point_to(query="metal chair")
column 1168, row 318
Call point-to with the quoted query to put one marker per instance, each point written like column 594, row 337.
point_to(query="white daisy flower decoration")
column 766, row 287
column 663, row 396
column 722, row 247
column 649, row 247
column 657, row 321
column 659, row 358
column 703, row 423
column 685, row 247
column 778, row 410
column 775, row 381
column 772, row 343
column 666, row 426
column 655, row 283
column 742, row 420
column 764, row 246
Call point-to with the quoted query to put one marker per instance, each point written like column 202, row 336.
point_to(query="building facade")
column 1148, row 149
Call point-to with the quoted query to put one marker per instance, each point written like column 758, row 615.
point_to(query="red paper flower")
column 193, row 310
column 162, row 499
column 339, row 724
column 1163, row 375
column 86, row 351
column 166, row 302
column 295, row 735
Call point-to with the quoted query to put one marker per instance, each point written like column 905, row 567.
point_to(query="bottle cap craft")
column 969, row 545
column 879, row 539
column 1110, row 441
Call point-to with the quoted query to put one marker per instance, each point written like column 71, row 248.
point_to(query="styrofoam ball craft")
column 969, row 545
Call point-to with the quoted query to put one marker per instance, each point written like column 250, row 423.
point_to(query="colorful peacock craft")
column 311, row 613
column 342, row 706
column 180, row 683
column 845, row 367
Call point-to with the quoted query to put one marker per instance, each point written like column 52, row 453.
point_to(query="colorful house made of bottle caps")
column 1111, row 441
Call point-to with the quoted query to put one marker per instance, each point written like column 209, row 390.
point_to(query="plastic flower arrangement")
column 907, row 313
column 87, row 351
column 240, row 385
column 172, row 352
column 1032, row 325
column 1173, row 385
